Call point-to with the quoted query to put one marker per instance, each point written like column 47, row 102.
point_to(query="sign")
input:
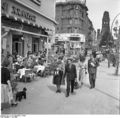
column 4, row 7
column 22, row 13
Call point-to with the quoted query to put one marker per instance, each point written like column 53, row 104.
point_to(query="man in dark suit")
column 92, row 69
column 71, row 75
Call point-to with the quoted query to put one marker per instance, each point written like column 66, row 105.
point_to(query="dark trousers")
column 70, row 84
column 92, row 78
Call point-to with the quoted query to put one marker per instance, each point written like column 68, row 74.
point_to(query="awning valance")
column 14, row 29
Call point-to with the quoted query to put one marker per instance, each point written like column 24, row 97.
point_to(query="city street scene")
column 60, row 57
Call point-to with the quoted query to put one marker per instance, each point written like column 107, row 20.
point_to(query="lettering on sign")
column 24, row 14
column 4, row 7
column 37, row 2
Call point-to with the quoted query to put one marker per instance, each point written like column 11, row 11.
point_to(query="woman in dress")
column 6, row 88
column 57, row 77
column 82, row 70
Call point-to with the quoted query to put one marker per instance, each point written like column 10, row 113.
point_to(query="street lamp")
column 116, row 29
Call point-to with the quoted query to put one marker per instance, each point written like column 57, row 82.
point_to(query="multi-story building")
column 72, row 18
column 26, row 24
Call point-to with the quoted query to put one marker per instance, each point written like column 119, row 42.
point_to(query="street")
column 43, row 99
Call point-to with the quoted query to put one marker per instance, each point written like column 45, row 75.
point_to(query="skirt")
column 4, row 93
column 57, row 80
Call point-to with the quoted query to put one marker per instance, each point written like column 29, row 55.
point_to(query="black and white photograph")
column 60, row 57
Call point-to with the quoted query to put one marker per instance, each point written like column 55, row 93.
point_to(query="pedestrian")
column 92, row 68
column 6, row 88
column 82, row 71
column 71, row 75
column 57, row 78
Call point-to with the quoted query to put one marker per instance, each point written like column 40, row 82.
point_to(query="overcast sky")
column 97, row 8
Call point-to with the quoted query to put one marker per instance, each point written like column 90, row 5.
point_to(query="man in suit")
column 92, row 69
column 71, row 75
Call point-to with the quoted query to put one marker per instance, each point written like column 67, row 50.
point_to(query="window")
column 70, row 21
column 82, row 14
column 35, row 45
column 75, row 30
column 69, row 30
column 71, row 13
column 76, row 21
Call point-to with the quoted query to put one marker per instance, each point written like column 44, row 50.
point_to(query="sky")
column 96, row 9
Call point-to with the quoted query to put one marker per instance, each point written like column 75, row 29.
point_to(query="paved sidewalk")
column 42, row 98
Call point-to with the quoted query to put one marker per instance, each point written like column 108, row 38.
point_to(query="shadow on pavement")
column 54, row 88
column 107, row 94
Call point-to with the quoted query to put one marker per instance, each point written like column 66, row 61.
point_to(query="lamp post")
column 117, row 35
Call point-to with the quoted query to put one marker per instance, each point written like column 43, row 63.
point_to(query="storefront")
column 23, row 29
column 74, row 42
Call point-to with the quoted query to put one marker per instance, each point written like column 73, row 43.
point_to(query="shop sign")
column 22, row 13
column 4, row 7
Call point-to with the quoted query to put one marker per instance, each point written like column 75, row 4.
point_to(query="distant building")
column 105, row 32
column 105, row 22
column 72, row 17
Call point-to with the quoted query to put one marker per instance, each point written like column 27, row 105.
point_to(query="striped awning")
column 43, row 25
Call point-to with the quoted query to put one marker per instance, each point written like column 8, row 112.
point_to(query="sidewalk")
column 42, row 98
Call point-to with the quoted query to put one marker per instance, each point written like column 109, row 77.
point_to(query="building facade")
column 26, row 25
column 72, row 17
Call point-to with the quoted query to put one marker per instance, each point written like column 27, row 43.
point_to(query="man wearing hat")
column 71, row 75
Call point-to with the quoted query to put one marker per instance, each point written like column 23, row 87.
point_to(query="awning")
column 44, row 25
column 18, row 30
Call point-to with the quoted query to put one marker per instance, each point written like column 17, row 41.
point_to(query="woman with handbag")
column 57, row 78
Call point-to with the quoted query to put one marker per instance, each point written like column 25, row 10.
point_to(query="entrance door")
column 35, row 45
column 18, row 45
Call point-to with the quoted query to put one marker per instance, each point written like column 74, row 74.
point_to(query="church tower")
column 105, row 32
column 105, row 22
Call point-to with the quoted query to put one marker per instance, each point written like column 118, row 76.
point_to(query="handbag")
column 76, row 85
column 63, row 81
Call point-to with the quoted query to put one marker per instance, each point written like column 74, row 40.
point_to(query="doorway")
column 18, row 45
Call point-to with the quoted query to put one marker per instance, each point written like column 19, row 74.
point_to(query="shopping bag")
column 76, row 85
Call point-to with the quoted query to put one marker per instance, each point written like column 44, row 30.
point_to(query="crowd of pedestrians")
column 68, row 73
column 65, row 72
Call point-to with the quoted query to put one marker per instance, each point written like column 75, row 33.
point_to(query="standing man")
column 71, row 75
column 92, row 68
